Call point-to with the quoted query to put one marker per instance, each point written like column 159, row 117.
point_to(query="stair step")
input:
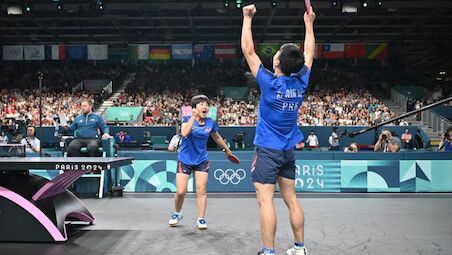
column 109, row 102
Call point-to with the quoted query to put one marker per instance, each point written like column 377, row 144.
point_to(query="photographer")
column 387, row 142
column 446, row 143
column 31, row 142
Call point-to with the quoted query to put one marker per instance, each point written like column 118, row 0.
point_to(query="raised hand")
column 249, row 10
column 309, row 17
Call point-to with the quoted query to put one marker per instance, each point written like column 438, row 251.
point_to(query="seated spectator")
column 407, row 139
column 128, row 137
column 132, row 121
column 446, row 143
column 3, row 137
column 123, row 137
column 117, row 123
column 31, row 142
column 404, row 123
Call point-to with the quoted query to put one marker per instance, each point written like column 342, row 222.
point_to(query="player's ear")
column 276, row 61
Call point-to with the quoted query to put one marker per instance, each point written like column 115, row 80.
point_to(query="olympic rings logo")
column 229, row 176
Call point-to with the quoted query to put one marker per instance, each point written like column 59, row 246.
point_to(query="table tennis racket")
column 234, row 159
column 307, row 3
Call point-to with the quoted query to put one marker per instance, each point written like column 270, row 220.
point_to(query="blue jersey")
column 193, row 150
column 280, row 99
column 86, row 125
column 448, row 146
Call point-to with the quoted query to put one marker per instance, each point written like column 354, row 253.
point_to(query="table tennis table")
column 34, row 209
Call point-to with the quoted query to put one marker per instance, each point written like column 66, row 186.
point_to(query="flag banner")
column 203, row 51
column 377, row 51
column 13, row 52
column 55, row 52
column 34, row 52
column 355, row 50
column 225, row 51
column 76, row 52
column 333, row 51
column 139, row 52
column 97, row 52
column 160, row 52
column 267, row 50
column 182, row 51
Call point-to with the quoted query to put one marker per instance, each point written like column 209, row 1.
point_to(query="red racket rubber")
column 234, row 159
column 307, row 3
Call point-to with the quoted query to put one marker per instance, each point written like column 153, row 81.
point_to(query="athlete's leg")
column 296, row 215
column 201, row 184
column 181, row 187
column 264, row 194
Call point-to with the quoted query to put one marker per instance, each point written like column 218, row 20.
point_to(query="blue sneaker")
column 266, row 252
column 201, row 223
column 175, row 218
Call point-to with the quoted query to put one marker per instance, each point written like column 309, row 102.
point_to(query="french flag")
column 333, row 51
column 55, row 52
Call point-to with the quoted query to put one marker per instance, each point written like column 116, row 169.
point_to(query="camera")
column 384, row 137
column 15, row 127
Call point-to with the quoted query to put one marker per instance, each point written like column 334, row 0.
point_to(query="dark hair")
column 34, row 129
column 199, row 99
column 291, row 59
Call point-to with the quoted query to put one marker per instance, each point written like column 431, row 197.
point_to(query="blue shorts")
column 269, row 164
column 188, row 169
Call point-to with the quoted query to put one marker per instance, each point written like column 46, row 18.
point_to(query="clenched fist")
column 194, row 112
column 309, row 17
column 249, row 10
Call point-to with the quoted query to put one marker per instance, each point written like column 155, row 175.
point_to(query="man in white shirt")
column 312, row 140
column 32, row 143
column 174, row 143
